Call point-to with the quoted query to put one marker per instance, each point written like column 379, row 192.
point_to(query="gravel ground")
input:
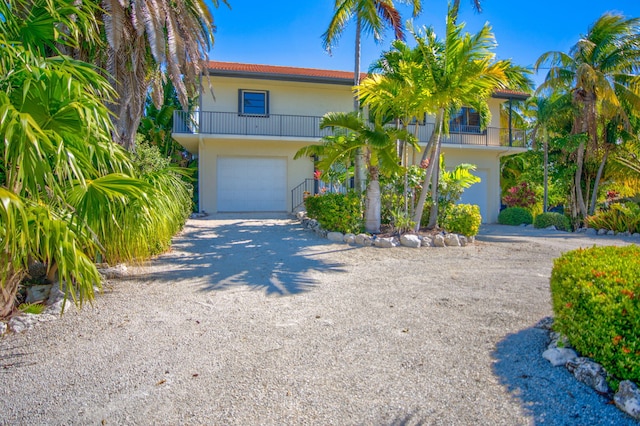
column 252, row 321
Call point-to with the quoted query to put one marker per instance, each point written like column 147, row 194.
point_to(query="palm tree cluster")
column 69, row 195
column 438, row 77
column 587, row 109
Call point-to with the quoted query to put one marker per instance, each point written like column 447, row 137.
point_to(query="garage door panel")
column 251, row 184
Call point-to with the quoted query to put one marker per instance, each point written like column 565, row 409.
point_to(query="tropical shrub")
column 336, row 212
column 515, row 216
column 464, row 219
column 596, row 301
column 521, row 195
column 560, row 221
column 617, row 217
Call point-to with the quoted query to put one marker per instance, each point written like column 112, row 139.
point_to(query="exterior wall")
column 294, row 98
column 212, row 148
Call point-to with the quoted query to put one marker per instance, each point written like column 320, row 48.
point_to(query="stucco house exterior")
column 246, row 133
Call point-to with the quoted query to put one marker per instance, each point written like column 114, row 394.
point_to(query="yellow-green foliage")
column 336, row 212
column 515, row 216
column 596, row 301
column 617, row 217
column 463, row 219
column 560, row 221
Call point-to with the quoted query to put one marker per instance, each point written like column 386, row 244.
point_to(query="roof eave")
column 281, row 77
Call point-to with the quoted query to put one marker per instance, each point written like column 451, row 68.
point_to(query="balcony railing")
column 278, row 125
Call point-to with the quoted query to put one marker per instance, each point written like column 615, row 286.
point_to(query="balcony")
column 299, row 126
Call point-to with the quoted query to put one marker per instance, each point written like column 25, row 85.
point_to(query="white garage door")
column 252, row 184
column 478, row 193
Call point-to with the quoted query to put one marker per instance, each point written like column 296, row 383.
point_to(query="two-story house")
column 246, row 133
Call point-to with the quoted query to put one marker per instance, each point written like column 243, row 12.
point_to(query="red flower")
column 317, row 174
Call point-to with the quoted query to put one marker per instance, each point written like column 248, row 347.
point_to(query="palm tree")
column 372, row 16
column 376, row 141
column 461, row 71
column 601, row 74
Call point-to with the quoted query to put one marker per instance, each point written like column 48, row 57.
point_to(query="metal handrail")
column 298, row 193
column 281, row 125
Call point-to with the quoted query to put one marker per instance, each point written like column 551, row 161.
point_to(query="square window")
column 466, row 120
column 254, row 102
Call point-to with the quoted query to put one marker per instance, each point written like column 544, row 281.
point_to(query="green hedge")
column 596, row 301
column 463, row 219
column 515, row 216
column 560, row 221
column 336, row 212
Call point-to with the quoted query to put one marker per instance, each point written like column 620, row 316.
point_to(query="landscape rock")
column 56, row 299
column 320, row 232
column 438, row 241
column 349, row 238
column 3, row 328
column 22, row 322
column 591, row 231
column 558, row 340
column 384, row 242
column 551, row 228
column 410, row 240
column 363, row 240
column 38, row 293
column 118, row 271
column 602, row 231
column 452, row 240
column 37, row 270
column 611, row 232
column 545, row 323
column 590, row 373
column 336, row 237
column 635, row 235
column 300, row 215
column 559, row 356
column 463, row 240
column 426, row 242
column 628, row 399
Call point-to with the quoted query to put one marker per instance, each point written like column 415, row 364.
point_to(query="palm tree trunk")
column 359, row 172
column 434, row 140
column 581, row 207
column 435, row 179
column 596, row 184
column 545, row 203
column 8, row 290
column 372, row 204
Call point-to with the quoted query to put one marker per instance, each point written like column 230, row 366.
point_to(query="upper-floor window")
column 253, row 102
column 467, row 120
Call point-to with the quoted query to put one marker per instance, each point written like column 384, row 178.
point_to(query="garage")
column 478, row 194
column 251, row 184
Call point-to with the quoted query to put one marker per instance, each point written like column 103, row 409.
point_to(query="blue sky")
column 288, row 32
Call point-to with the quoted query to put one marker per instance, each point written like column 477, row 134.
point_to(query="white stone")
column 384, row 242
column 452, row 240
column 426, row 242
column 463, row 240
column 602, row 231
column 628, row 399
column 591, row 231
column 551, row 228
column 410, row 240
column 611, row 232
column 363, row 240
column 559, row 356
column 590, row 373
column 118, row 271
column 438, row 240
column 300, row 214
column 336, row 237
column 22, row 322
column 349, row 238
column 38, row 293
column 3, row 328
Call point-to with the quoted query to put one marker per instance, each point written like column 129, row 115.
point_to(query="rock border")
column 368, row 240
column 560, row 353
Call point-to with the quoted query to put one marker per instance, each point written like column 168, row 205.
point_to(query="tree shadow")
column 549, row 395
column 277, row 256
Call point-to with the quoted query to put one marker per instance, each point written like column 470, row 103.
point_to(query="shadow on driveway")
column 273, row 255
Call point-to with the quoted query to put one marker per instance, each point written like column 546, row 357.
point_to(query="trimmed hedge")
column 596, row 301
column 515, row 216
column 463, row 219
column 336, row 212
column 560, row 221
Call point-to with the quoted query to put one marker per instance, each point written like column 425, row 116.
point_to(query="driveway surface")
column 258, row 322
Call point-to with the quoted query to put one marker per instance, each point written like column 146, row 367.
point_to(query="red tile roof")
column 283, row 71
column 311, row 74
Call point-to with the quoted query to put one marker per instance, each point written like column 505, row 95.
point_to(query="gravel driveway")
column 257, row 322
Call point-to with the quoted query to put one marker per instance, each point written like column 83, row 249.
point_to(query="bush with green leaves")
column 515, row 216
column 464, row 219
column 336, row 212
column 617, row 217
column 521, row 195
column 545, row 220
column 596, row 301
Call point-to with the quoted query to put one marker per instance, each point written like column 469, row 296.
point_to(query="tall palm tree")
column 601, row 74
column 461, row 71
column 371, row 16
column 378, row 144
